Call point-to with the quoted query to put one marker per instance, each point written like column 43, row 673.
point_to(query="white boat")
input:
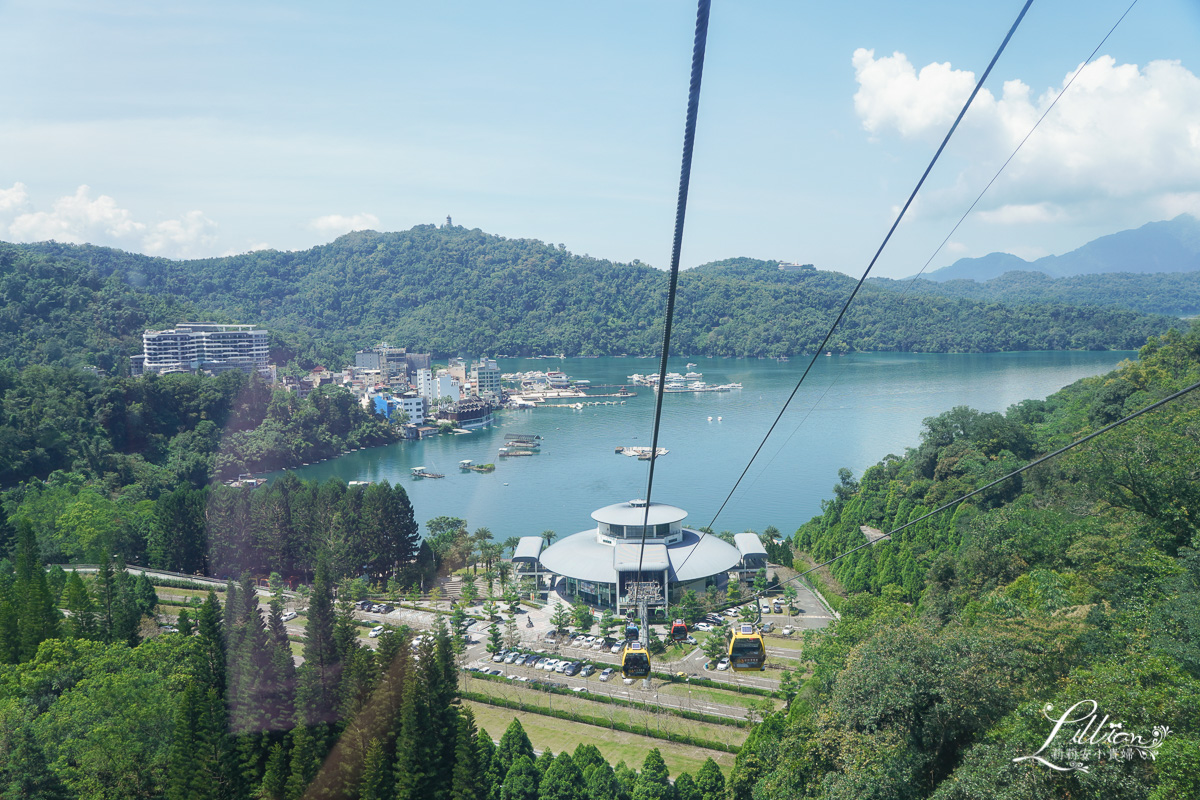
column 710, row 419
column 691, row 364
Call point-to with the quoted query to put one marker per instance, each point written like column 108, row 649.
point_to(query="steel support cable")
column 978, row 85
column 1009, row 476
column 971, row 208
column 1021, row 144
column 685, row 176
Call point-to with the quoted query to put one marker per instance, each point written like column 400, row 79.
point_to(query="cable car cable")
column 1012, row 474
column 685, row 174
column 1020, row 144
column 911, row 281
column 875, row 258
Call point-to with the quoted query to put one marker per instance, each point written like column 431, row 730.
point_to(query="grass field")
column 724, row 734
column 704, row 693
column 560, row 734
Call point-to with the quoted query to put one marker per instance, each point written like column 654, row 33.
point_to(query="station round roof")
column 634, row 513
column 583, row 557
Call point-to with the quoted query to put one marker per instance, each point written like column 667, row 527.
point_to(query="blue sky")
column 189, row 129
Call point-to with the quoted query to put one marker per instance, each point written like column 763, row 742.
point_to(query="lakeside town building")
column 204, row 347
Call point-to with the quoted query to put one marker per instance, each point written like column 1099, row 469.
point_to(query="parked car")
column 495, row 672
column 602, row 644
column 788, row 630
column 289, row 616
column 731, row 612
column 691, row 639
column 778, row 606
column 703, row 626
column 561, row 666
column 616, row 648
column 512, row 657
column 388, row 608
column 498, row 657
column 587, row 671
column 607, row 673
column 579, row 689
column 573, row 669
column 378, row 629
column 767, row 627
column 765, row 608
column 723, row 664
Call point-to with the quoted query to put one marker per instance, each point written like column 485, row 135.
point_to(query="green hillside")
column 451, row 290
column 1080, row 582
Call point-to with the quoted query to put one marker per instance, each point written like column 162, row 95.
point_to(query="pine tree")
column 415, row 746
column 10, row 634
column 586, row 755
column 485, row 757
column 183, row 744
column 626, row 780
column 468, row 783
column 685, row 788
column 316, row 695
column 376, row 777
column 521, row 781
column 24, row 772
column 82, row 622
column 544, row 761
column 210, row 668
column 513, row 744
column 305, row 762
column 563, row 780
column 184, row 623
column 710, row 781
column 601, row 782
column 654, row 781
column 37, row 614
column 275, row 778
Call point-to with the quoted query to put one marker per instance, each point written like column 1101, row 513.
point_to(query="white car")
column 703, row 626
column 617, row 648
column 607, row 673
column 551, row 665
column 766, row 609
column 598, row 644
column 731, row 612
column 289, row 616
column 378, row 629
column 788, row 630
column 723, row 664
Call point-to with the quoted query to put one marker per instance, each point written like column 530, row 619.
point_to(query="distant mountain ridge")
column 1168, row 246
column 452, row 291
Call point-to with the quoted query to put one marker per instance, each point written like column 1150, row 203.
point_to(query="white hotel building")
column 204, row 346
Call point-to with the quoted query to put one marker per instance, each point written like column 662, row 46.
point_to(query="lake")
column 851, row 412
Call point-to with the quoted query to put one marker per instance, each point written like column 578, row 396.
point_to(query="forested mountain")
column 451, row 290
column 1173, row 293
column 1166, row 246
column 1079, row 581
column 56, row 310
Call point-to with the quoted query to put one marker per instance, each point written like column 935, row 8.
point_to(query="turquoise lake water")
column 851, row 412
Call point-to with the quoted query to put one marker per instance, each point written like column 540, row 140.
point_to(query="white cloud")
column 80, row 218
column 891, row 94
column 77, row 218
column 1120, row 135
column 191, row 235
column 1024, row 213
column 337, row 224
column 12, row 199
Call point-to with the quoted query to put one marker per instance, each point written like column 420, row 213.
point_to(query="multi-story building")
column 485, row 376
column 207, row 347
column 434, row 387
column 392, row 362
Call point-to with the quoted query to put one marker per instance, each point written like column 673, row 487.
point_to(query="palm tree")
column 510, row 544
column 503, row 570
column 548, row 536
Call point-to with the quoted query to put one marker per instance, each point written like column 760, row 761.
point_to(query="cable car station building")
column 601, row 564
